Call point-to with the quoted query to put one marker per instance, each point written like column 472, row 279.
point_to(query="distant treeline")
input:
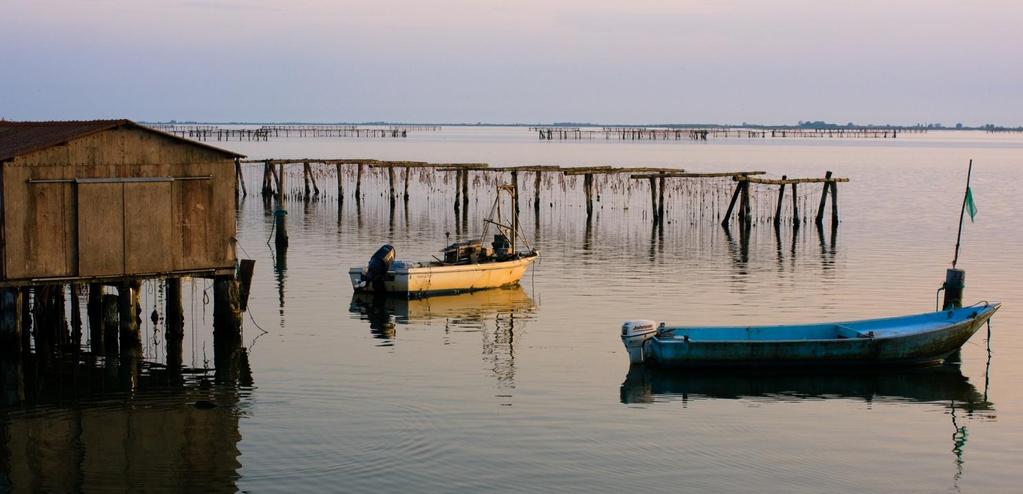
column 814, row 124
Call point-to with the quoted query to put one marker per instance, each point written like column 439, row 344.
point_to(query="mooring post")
column 795, row 206
column 280, row 214
column 731, row 204
column 267, row 181
column 10, row 321
column 781, row 198
column 824, row 199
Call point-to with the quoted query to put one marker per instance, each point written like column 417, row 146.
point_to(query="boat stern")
column 635, row 335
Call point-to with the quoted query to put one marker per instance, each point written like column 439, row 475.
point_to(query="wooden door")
column 100, row 229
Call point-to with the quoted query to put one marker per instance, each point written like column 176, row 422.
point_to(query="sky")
column 516, row 61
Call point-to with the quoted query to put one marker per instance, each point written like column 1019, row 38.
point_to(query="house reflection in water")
column 79, row 422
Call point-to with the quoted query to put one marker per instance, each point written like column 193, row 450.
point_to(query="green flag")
column 971, row 208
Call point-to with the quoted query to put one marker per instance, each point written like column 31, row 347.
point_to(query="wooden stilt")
column 588, row 187
column 340, row 184
column 781, row 198
column 174, row 331
column 408, row 173
column 76, row 317
column 111, row 324
column 465, row 194
column 653, row 199
column 458, row 190
column 127, row 312
column 515, row 189
column 241, row 178
column 660, row 200
column 227, row 314
column 358, row 182
column 390, row 183
column 94, row 310
column 834, row 203
column 305, row 178
column 744, row 204
column 280, row 214
column 10, row 321
column 731, row 204
column 536, row 189
column 824, row 199
column 795, row 206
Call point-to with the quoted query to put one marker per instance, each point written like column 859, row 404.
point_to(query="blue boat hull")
column 910, row 340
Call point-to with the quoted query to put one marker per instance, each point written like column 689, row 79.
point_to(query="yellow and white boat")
column 467, row 266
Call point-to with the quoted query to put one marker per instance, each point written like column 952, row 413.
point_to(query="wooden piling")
column 127, row 312
column 408, row 174
column 241, row 178
column 795, row 206
column 515, row 189
column 536, row 189
column 465, row 193
column 280, row 214
column 340, row 184
column 10, row 321
column 834, row 203
column 588, row 187
column 305, row 178
column 824, row 198
column 653, row 199
column 781, row 198
column 390, row 183
column 660, row 200
column 744, row 204
column 245, row 271
column 358, row 182
column 94, row 311
column 111, row 323
column 76, row 317
column 458, row 190
column 227, row 314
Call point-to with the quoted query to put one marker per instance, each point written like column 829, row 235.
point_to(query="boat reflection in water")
column 943, row 384
column 466, row 309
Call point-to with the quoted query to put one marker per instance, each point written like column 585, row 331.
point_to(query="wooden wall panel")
column 192, row 201
column 36, row 217
column 148, row 228
column 100, row 229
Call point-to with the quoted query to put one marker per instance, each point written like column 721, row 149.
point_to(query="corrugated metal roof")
column 19, row 138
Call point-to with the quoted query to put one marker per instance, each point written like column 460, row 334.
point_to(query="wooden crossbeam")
column 682, row 174
column 788, row 181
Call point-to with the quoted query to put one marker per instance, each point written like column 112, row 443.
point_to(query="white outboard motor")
column 635, row 334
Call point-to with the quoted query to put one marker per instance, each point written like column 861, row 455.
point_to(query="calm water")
column 529, row 389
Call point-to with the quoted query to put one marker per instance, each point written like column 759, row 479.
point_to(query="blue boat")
column 919, row 339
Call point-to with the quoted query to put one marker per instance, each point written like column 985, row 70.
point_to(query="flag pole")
column 962, row 213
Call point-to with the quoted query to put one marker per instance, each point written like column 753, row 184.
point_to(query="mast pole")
column 962, row 212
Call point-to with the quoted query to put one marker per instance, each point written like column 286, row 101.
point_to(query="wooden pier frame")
column 742, row 192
